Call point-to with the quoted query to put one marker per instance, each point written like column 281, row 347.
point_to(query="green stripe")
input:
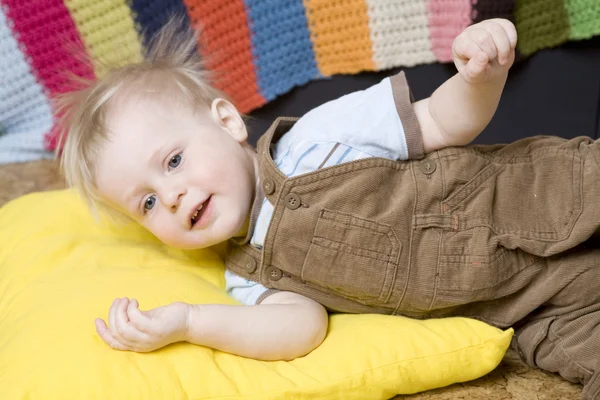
column 584, row 18
column 541, row 24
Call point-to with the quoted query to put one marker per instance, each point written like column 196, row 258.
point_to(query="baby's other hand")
column 131, row 329
column 485, row 51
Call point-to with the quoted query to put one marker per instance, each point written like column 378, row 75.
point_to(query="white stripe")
column 399, row 32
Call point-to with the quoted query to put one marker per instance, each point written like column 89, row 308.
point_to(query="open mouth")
column 200, row 211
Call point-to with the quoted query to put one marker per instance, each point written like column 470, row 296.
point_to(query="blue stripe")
column 151, row 15
column 339, row 161
column 25, row 111
column 281, row 45
column 301, row 157
column 284, row 156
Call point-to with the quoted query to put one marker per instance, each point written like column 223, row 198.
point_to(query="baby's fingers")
column 464, row 48
column 509, row 28
column 501, row 41
column 485, row 41
column 476, row 68
column 137, row 318
column 126, row 331
column 120, row 327
column 112, row 317
column 108, row 338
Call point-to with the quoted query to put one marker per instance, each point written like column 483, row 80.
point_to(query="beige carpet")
column 511, row 380
column 19, row 179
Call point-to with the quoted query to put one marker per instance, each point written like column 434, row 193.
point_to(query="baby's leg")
column 563, row 336
column 567, row 344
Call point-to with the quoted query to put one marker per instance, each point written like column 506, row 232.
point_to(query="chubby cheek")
column 164, row 231
column 230, row 222
column 174, row 235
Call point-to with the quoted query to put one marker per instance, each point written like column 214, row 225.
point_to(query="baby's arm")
column 284, row 326
column 463, row 106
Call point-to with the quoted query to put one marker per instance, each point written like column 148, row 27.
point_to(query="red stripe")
column 227, row 44
column 48, row 36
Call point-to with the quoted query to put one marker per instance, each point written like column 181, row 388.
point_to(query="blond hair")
column 171, row 66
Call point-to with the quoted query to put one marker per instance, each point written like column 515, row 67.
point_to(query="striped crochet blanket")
column 259, row 49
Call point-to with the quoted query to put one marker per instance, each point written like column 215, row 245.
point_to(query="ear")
column 227, row 117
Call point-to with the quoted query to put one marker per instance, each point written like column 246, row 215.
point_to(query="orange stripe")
column 340, row 35
column 227, row 46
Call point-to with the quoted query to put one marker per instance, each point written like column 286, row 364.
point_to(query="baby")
column 367, row 204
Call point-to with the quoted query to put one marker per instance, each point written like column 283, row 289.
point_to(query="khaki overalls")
column 504, row 234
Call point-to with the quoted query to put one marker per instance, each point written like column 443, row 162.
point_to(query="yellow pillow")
column 59, row 270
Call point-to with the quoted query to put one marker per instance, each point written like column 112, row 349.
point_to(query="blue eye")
column 149, row 203
column 175, row 161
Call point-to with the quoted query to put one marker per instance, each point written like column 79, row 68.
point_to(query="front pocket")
column 352, row 256
column 533, row 197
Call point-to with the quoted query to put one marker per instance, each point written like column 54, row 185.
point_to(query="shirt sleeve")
column 379, row 121
column 245, row 291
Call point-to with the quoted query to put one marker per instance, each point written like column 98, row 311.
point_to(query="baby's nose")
column 173, row 200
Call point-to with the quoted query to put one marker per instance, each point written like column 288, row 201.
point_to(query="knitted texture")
column 399, row 32
column 150, row 15
column 107, row 30
column 281, row 46
column 256, row 49
column 227, row 46
column 447, row 19
column 584, row 18
column 47, row 35
column 340, row 35
column 25, row 114
column 541, row 24
column 486, row 9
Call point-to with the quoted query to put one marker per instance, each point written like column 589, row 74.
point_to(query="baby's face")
column 187, row 177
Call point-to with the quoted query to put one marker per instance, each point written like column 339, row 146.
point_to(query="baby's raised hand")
column 131, row 329
column 485, row 50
